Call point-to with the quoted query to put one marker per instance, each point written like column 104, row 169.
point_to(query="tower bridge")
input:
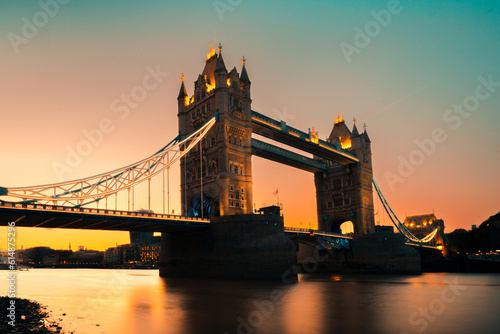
column 214, row 148
column 216, row 178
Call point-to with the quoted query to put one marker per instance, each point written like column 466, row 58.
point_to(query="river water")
column 139, row 301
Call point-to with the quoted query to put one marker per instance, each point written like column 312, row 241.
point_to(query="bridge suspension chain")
column 400, row 226
column 95, row 188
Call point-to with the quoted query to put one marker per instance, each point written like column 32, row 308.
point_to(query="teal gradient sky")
column 427, row 59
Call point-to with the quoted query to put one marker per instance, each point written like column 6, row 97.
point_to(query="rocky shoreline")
column 26, row 316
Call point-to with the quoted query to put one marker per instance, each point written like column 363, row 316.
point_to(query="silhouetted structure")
column 486, row 238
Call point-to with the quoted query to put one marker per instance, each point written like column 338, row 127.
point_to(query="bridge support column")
column 234, row 247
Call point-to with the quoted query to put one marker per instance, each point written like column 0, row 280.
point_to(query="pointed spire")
column 355, row 131
column 244, row 74
column 182, row 91
column 220, row 66
column 365, row 134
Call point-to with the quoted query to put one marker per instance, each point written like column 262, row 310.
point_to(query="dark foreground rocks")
column 26, row 316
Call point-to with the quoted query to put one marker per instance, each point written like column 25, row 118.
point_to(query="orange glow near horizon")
column 53, row 106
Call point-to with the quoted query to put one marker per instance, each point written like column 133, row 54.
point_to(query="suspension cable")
column 401, row 227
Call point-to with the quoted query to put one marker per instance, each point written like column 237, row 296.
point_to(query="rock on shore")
column 30, row 317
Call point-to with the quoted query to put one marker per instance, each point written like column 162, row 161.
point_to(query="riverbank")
column 26, row 316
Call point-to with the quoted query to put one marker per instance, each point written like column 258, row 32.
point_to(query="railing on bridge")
column 92, row 211
column 317, row 238
column 316, row 232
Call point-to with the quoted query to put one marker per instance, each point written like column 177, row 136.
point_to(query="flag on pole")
column 276, row 192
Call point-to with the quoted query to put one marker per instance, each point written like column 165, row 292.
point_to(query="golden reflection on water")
column 138, row 301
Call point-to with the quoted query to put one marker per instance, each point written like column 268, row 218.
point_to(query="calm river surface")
column 139, row 301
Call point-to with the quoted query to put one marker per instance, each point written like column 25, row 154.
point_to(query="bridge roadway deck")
column 298, row 231
column 281, row 132
column 54, row 216
column 278, row 154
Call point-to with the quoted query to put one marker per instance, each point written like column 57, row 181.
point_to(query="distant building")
column 45, row 256
column 134, row 254
column 422, row 225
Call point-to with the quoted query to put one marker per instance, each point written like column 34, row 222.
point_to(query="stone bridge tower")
column 221, row 183
column 344, row 193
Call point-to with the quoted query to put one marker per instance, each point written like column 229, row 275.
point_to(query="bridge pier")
column 233, row 247
column 375, row 253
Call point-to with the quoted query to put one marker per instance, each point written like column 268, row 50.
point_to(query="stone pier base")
column 233, row 247
column 376, row 253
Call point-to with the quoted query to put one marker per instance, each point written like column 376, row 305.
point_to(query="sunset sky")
column 423, row 75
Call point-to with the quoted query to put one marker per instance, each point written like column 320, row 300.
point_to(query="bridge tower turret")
column 344, row 193
column 220, row 183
